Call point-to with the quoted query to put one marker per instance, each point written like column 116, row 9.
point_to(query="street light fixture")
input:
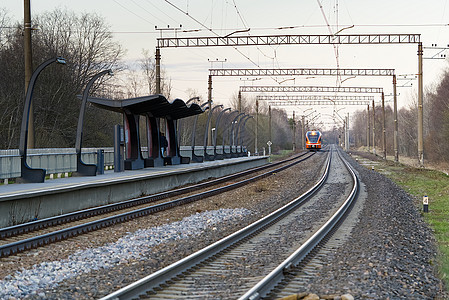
column 28, row 174
column 83, row 169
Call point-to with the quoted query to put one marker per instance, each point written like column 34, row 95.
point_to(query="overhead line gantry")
column 350, row 39
column 308, row 89
column 274, row 101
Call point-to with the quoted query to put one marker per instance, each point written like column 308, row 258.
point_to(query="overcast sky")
column 133, row 23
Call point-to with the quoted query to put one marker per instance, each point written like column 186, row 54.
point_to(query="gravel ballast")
column 257, row 199
column 389, row 254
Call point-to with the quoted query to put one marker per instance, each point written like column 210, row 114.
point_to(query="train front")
column 313, row 140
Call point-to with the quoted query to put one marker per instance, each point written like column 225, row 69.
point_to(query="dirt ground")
column 411, row 161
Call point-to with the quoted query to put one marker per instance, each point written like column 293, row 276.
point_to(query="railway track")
column 23, row 237
column 237, row 265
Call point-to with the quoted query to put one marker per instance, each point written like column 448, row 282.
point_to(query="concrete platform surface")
column 21, row 203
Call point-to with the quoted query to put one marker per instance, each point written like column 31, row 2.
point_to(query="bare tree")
column 86, row 43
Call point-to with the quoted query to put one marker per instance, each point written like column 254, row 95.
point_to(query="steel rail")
column 147, row 284
column 33, row 242
column 263, row 287
column 91, row 212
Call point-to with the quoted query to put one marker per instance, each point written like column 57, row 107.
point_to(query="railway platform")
column 20, row 203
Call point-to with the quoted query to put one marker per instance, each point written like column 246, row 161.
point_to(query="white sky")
column 133, row 23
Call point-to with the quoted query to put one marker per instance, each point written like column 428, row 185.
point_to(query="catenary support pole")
column 256, row 130
column 294, row 133
column 420, row 107
column 209, row 100
column 384, row 134
column 269, row 124
column 367, row 127
column 395, row 116
column 28, row 66
column 158, row 70
column 374, row 129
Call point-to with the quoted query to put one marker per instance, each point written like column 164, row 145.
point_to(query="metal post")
column 420, row 108
column 239, row 101
column 240, row 128
column 28, row 65
column 256, row 130
column 269, row 124
column 395, row 116
column 209, row 100
column 367, row 127
column 384, row 134
column 233, row 134
column 302, row 132
column 241, row 134
column 118, row 149
column 208, row 133
column 374, row 129
column 158, row 70
column 228, row 155
column 294, row 133
column 217, row 123
column 347, row 133
column 195, row 157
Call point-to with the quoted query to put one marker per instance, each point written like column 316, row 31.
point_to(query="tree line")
column 436, row 125
column 86, row 43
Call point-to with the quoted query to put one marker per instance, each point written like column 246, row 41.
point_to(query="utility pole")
column 269, row 123
column 158, row 70
column 28, row 66
column 302, row 132
column 367, row 127
column 347, row 133
column 384, row 134
column 420, row 107
column 294, row 133
column 395, row 116
column 256, row 130
column 209, row 100
column 239, row 108
column 374, row 129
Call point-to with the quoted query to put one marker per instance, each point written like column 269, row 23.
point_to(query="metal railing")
column 54, row 160
column 63, row 160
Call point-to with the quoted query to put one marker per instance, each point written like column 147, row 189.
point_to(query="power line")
column 209, row 29
column 130, row 11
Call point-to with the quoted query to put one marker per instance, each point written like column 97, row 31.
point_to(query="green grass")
column 281, row 154
column 435, row 185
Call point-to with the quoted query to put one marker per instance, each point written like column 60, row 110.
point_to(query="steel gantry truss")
column 331, row 89
column 288, row 40
column 308, row 89
column 301, row 72
column 297, row 102
column 314, row 98
column 352, row 39
column 323, row 72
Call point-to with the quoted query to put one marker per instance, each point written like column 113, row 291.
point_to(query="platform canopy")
column 157, row 105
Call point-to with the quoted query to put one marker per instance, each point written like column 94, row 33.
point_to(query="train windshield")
column 313, row 136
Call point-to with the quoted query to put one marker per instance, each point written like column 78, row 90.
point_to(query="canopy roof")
column 157, row 105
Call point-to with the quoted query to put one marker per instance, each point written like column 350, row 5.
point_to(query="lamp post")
column 241, row 134
column 217, row 123
column 228, row 155
column 29, row 174
column 208, row 134
column 195, row 157
column 232, row 133
column 83, row 169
